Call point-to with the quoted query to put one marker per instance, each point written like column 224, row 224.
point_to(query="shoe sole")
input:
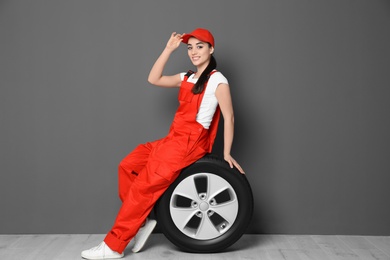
column 148, row 231
column 101, row 257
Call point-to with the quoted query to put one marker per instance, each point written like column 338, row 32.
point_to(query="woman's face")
column 199, row 52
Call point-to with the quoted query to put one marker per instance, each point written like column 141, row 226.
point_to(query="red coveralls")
column 148, row 171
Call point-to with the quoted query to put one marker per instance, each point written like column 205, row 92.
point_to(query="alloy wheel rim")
column 204, row 206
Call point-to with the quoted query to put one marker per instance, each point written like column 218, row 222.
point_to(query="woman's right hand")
column 156, row 76
column 174, row 41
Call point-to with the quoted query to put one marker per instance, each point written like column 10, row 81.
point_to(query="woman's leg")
column 131, row 166
column 128, row 170
column 162, row 168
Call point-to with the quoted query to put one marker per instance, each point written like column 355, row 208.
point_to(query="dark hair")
column 200, row 84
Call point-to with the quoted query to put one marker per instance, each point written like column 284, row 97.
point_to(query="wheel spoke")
column 182, row 216
column 187, row 189
column 228, row 210
column 216, row 186
column 206, row 229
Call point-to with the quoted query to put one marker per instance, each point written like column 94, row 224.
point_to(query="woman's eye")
column 189, row 48
column 200, row 47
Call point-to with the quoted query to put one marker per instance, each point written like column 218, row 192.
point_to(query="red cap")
column 200, row 34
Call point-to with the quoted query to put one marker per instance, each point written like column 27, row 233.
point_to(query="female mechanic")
column 150, row 168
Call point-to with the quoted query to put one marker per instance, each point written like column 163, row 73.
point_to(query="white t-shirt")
column 209, row 102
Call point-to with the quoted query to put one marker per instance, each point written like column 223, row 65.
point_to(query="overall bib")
column 148, row 171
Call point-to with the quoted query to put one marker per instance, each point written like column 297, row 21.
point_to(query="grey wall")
column 309, row 79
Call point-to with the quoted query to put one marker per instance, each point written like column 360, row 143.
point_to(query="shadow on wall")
column 249, row 149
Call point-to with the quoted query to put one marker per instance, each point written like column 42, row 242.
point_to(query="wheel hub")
column 204, row 206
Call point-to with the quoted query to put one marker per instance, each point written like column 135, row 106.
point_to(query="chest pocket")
column 185, row 95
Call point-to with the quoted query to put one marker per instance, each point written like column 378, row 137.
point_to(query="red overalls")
column 148, row 171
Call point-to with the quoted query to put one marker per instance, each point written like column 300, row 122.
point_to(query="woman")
column 148, row 171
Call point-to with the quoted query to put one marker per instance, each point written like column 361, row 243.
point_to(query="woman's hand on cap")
column 174, row 41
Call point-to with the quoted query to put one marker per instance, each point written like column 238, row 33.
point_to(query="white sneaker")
column 102, row 251
column 143, row 234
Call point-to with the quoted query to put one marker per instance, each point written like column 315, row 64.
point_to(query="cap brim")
column 186, row 37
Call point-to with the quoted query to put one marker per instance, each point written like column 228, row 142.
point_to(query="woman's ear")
column 211, row 50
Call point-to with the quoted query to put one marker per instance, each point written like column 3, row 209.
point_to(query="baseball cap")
column 200, row 34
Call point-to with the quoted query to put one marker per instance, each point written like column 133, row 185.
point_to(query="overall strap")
column 188, row 74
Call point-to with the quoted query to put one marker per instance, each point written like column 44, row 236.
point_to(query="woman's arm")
column 155, row 74
column 225, row 103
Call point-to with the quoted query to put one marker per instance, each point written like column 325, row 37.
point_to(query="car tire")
column 207, row 208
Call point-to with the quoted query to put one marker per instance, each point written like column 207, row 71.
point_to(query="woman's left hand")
column 232, row 162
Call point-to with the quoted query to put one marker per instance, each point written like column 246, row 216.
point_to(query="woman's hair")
column 200, row 84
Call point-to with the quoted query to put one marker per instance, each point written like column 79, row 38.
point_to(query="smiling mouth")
column 195, row 58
